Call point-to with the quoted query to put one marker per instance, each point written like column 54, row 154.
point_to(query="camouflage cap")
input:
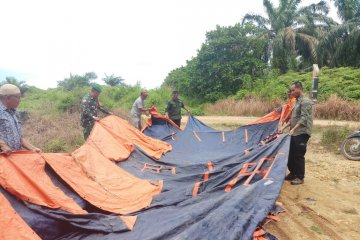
column 96, row 87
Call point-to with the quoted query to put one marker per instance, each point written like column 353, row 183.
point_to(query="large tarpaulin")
column 199, row 183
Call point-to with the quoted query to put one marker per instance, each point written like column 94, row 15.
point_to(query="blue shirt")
column 10, row 128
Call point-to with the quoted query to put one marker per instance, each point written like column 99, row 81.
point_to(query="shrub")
column 333, row 137
column 251, row 106
column 56, row 145
column 337, row 108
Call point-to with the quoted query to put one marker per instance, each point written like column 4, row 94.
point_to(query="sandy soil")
column 327, row 205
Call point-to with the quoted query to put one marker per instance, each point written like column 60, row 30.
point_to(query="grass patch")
column 56, row 146
column 333, row 137
column 316, row 229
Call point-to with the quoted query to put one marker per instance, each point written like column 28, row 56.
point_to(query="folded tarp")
column 23, row 175
column 159, row 127
column 114, row 138
column 100, row 182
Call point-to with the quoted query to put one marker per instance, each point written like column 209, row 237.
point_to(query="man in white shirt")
column 137, row 109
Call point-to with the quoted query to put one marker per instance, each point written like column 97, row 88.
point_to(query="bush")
column 338, row 109
column 56, row 146
column 252, row 106
column 333, row 137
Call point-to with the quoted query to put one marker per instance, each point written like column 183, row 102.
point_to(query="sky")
column 43, row 41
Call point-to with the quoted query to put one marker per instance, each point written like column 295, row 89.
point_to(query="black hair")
column 298, row 84
column 175, row 92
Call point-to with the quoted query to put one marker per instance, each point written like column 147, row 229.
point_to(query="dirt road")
column 327, row 205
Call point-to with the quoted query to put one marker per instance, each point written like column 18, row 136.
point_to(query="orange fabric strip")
column 196, row 189
column 210, row 166
column 206, row 176
column 246, row 183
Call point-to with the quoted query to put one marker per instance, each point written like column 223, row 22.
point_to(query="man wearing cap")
column 173, row 108
column 137, row 109
column 11, row 138
column 89, row 108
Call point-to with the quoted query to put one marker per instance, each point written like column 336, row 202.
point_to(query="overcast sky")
column 44, row 41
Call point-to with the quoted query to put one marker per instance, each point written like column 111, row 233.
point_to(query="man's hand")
column 292, row 131
column 6, row 149
column 166, row 115
column 36, row 150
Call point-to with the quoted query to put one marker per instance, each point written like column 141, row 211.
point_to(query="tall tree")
column 341, row 46
column 113, row 80
column 227, row 58
column 77, row 81
column 293, row 31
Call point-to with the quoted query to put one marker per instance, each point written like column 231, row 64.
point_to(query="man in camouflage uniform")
column 89, row 109
column 173, row 108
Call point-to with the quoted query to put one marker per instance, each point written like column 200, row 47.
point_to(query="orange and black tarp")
column 123, row 184
column 12, row 226
column 23, row 175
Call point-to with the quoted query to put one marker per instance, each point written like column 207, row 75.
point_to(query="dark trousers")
column 177, row 121
column 296, row 162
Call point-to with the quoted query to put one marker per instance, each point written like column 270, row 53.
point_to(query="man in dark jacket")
column 301, row 123
column 173, row 108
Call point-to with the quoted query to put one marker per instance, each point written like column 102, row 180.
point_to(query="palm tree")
column 341, row 46
column 113, row 80
column 293, row 31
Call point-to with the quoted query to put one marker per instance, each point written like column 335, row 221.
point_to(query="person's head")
column 95, row 90
column 143, row 94
column 175, row 95
column 10, row 96
column 296, row 89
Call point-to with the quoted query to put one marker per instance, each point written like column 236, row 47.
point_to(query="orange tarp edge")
column 12, row 225
column 284, row 116
column 270, row 117
column 154, row 112
column 286, row 110
column 23, row 175
column 101, row 182
column 113, row 131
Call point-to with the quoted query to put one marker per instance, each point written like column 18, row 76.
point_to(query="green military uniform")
column 89, row 108
column 173, row 109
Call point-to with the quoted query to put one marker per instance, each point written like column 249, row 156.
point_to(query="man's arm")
column 183, row 106
column 104, row 110
column 26, row 144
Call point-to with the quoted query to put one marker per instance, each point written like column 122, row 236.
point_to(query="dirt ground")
column 327, row 205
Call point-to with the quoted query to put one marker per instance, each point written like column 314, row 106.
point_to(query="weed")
column 316, row 229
